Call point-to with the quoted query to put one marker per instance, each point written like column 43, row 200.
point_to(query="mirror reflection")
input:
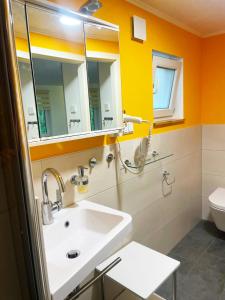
column 58, row 60
column 23, row 58
column 69, row 73
column 103, row 71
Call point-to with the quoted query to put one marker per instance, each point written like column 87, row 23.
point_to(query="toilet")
column 217, row 207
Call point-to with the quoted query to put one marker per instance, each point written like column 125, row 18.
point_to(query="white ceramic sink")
column 92, row 229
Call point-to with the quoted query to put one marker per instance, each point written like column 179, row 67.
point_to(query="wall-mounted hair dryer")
column 133, row 119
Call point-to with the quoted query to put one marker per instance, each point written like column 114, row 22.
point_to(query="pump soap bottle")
column 80, row 180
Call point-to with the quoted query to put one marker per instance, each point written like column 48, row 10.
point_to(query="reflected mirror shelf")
column 69, row 68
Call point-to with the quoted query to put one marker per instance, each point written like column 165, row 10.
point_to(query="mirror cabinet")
column 103, row 73
column 69, row 69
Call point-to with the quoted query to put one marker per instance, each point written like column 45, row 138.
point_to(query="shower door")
column 20, row 266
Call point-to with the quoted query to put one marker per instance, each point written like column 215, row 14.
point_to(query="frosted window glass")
column 163, row 86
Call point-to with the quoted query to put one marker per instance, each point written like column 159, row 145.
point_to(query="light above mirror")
column 65, row 20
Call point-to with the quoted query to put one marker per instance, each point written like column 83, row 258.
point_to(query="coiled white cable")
column 142, row 164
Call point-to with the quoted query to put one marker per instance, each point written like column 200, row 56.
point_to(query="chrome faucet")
column 47, row 205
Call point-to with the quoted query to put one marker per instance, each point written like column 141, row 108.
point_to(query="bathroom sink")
column 80, row 238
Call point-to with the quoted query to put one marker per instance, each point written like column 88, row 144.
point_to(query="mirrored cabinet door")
column 69, row 73
column 59, row 71
column 24, row 67
column 103, row 71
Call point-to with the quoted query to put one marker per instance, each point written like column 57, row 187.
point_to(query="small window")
column 167, row 86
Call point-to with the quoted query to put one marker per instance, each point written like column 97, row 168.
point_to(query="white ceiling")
column 202, row 17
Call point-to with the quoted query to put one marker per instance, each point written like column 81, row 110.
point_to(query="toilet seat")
column 217, row 199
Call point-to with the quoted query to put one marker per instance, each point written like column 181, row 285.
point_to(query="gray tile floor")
column 201, row 275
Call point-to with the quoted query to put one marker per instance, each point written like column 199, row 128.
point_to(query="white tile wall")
column 139, row 195
column 213, row 163
column 159, row 222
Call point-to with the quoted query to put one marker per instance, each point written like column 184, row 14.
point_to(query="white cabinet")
column 70, row 74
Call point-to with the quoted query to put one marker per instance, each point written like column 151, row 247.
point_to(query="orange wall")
column 213, row 80
column 48, row 42
column 136, row 69
column 22, row 45
column 103, row 46
column 44, row 41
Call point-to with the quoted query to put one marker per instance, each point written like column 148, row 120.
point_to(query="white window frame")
column 176, row 93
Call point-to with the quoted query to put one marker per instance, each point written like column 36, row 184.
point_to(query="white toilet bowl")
column 217, row 207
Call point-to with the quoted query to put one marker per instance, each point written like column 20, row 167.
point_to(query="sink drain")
column 73, row 254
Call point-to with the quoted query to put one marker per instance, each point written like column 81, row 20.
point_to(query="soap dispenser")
column 80, row 180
